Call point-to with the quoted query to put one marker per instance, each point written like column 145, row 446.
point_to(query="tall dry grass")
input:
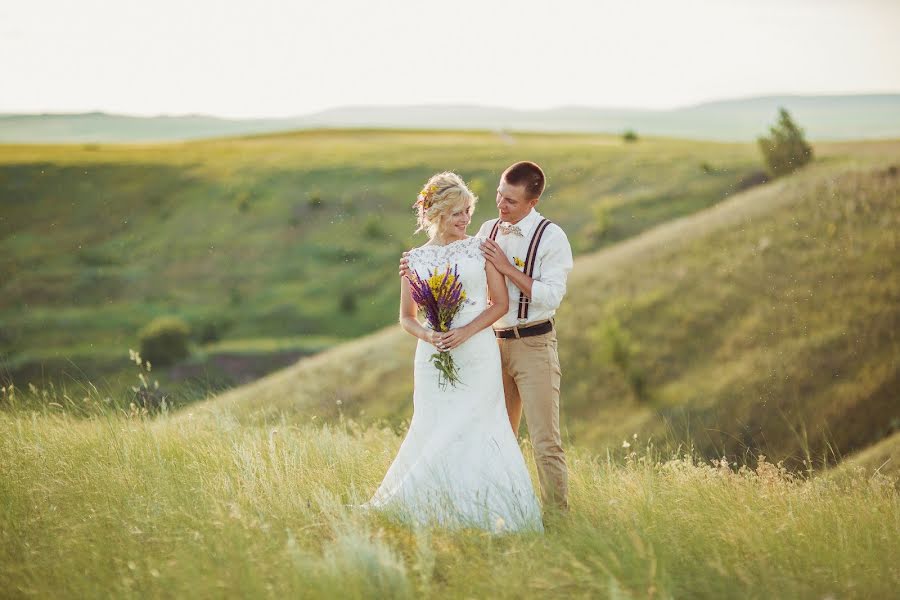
column 122, row 504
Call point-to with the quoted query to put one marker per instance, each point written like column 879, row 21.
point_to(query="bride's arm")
column 409, row 316
column 500, row 298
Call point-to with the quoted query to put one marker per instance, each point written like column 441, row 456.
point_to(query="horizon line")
column 448, row 105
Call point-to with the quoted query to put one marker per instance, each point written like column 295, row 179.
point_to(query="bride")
column 460, row 463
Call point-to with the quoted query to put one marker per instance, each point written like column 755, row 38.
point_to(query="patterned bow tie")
column 506, row 229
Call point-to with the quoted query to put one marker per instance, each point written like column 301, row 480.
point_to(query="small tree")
column 348, row 302
column 619, row 349
column 785, row 150
column 630, row 136
column 164, row 340
column 314, row 199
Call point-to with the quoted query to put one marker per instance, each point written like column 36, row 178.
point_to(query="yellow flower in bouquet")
column 440, row 284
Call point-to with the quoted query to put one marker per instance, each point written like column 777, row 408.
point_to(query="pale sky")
column 274, row 58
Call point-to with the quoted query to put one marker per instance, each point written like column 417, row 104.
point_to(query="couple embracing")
column 460, row 463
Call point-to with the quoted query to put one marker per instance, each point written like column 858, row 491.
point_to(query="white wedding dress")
column 460, row 464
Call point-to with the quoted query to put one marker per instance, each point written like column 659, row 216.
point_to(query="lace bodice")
column 466, row 255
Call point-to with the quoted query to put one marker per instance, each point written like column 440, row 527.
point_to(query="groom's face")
column 512, row 203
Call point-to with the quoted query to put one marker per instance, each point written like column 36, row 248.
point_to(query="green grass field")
column 693, row 341
column 201, row 506
column 293, row 235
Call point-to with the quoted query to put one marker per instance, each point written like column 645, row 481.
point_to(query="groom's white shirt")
column 551, row 268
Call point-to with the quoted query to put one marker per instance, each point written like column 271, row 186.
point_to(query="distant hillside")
column 283, row 236
column 103, row 127
column 768, row 323
column 824, row 117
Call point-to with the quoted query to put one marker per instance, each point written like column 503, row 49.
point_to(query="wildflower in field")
column 625, row 444
column 132, row 355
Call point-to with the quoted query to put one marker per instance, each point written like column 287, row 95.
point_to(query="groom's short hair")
column 527, row 174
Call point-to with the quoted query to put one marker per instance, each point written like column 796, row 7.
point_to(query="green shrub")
column 242, row 200
column 348, row 302
column 618, row 349
column 785, row 150
column 314, row 200
column 211, row 330
column 630, row 136
column 164, row 341
column 373, row 229
column 598, row 226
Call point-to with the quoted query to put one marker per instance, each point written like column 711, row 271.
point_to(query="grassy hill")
column 881, row 457
column 767, row 323
column 284, row 236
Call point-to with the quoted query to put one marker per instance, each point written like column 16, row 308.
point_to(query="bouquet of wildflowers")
column 440, row 296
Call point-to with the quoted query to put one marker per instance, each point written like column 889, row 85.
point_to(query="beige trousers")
column 531, row 378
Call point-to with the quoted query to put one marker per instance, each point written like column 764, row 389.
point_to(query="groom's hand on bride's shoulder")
column 404, row 265
column 495, row 254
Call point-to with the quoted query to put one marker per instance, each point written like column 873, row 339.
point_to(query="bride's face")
column 456, row 223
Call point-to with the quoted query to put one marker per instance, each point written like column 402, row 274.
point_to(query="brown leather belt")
column 520, row 332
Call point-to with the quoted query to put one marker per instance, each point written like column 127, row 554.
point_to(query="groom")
column 535, row 256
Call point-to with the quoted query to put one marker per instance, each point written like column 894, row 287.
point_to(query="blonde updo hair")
column 443, row 194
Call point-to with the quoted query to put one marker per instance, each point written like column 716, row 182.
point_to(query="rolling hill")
column 248, row 239
column 765, row 324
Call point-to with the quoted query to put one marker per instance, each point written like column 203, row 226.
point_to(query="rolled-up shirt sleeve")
column 555, row 254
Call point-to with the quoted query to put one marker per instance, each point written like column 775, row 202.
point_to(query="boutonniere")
column 519, row 262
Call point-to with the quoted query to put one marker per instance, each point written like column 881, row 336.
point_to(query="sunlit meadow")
column 764, row 323
column 105, row 500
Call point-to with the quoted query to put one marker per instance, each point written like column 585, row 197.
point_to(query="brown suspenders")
column 530, row 259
